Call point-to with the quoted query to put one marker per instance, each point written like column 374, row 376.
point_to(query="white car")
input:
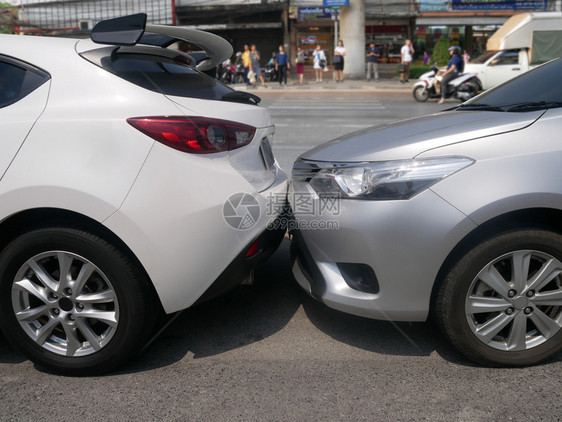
column 131, row 185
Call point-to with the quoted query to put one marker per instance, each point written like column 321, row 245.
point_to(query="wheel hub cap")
column 66, row 304
column 521, row 302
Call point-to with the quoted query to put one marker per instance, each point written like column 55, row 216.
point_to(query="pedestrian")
column 246, row 62
column 255, row 65
column 426, row 58
column 453, row 69
column 319, row 62
column 406, row 53
column 300, row 64
column 373, row 55
column 282, row 64
column 466, row 57
column 339, row 54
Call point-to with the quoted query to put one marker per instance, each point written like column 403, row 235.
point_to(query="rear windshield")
column 164, row 75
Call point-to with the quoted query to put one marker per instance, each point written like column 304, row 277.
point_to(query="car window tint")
column 17, row 80
column 483, row 57
column 509, row 58
column 540, row 84
column 164, row 75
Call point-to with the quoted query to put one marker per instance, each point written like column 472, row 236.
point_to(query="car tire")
column 72, row 302
column 421, row 94
column 501, row 303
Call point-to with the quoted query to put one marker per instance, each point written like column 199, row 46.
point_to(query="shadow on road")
column 246, row 315
column 8, row 355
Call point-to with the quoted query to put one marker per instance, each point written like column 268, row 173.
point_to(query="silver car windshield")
column 538, row 89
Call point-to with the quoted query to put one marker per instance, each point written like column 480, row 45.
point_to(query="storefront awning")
column 230, row 26
column 460, row 20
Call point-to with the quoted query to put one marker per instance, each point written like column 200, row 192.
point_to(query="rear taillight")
column 196, row 135
column 253, row 250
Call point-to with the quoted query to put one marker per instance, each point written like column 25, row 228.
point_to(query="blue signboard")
column 499, row 4
column 336, row 3
column 315, row 14
column 434, row 5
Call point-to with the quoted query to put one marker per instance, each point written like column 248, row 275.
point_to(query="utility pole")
column 352, row 33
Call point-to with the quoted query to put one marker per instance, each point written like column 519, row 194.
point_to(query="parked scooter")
column 270, row 74
column 239, row 69
column 225, row 72
column 464, row 87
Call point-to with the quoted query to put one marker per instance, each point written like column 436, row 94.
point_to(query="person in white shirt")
column 406, row 53
column 319, row 62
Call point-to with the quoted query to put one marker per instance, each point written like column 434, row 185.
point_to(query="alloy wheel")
column 65, row 303
column 515, row 301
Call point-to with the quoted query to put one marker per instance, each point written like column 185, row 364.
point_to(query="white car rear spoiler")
column 216, row 48
column 130, row 30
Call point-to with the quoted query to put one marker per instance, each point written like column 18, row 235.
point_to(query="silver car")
column 456, row 214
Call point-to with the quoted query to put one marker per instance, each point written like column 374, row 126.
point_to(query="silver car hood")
column 408, row 138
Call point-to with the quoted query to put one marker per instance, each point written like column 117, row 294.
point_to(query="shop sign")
column 499, row 5
column 315, row 14
column 434, row 5
column 337, row 3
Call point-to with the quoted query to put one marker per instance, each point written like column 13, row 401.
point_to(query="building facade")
column 261, row 22
column 75, row 17
column 298, row 23
column 469, row 23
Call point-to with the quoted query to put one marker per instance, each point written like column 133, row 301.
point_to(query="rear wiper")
column 530, row 106
column 241, row 97
column 478, row 106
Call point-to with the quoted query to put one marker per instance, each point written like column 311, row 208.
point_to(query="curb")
column 352, row 86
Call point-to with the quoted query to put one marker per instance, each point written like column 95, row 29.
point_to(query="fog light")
column 359, row 277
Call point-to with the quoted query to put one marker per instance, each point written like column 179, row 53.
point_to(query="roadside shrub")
column 441, row 52
column 417, row 70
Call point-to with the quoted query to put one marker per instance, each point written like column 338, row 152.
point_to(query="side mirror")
column 494, row 62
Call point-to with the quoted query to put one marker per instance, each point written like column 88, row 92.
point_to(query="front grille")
column 304, row 171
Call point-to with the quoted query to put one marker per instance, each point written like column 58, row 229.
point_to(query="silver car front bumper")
column 404, row 243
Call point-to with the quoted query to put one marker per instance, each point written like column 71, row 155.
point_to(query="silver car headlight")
column 388, row 180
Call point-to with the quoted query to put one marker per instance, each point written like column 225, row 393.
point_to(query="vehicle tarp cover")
column 547, row 45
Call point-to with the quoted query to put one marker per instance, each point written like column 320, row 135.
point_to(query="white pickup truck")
column 523, row 42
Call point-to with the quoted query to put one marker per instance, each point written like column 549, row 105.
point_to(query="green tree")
column 8, row 18
column 441, row 51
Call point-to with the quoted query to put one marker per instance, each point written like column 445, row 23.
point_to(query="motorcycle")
column 225, row 72
column 464, row 87
column 239, row 71
column 270, row 74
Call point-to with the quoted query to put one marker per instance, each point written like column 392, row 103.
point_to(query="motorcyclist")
column 453, row 69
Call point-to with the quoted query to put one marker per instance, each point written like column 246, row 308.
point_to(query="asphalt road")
column 304, row 120
column 268, row 352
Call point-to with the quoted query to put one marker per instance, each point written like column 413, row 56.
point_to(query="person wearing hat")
column 453, row 69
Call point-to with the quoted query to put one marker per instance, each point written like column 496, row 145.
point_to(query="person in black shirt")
column 373, row 54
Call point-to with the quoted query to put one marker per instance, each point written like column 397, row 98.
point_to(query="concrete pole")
column 352, row 33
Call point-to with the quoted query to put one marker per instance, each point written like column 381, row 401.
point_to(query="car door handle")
column 516, row 68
